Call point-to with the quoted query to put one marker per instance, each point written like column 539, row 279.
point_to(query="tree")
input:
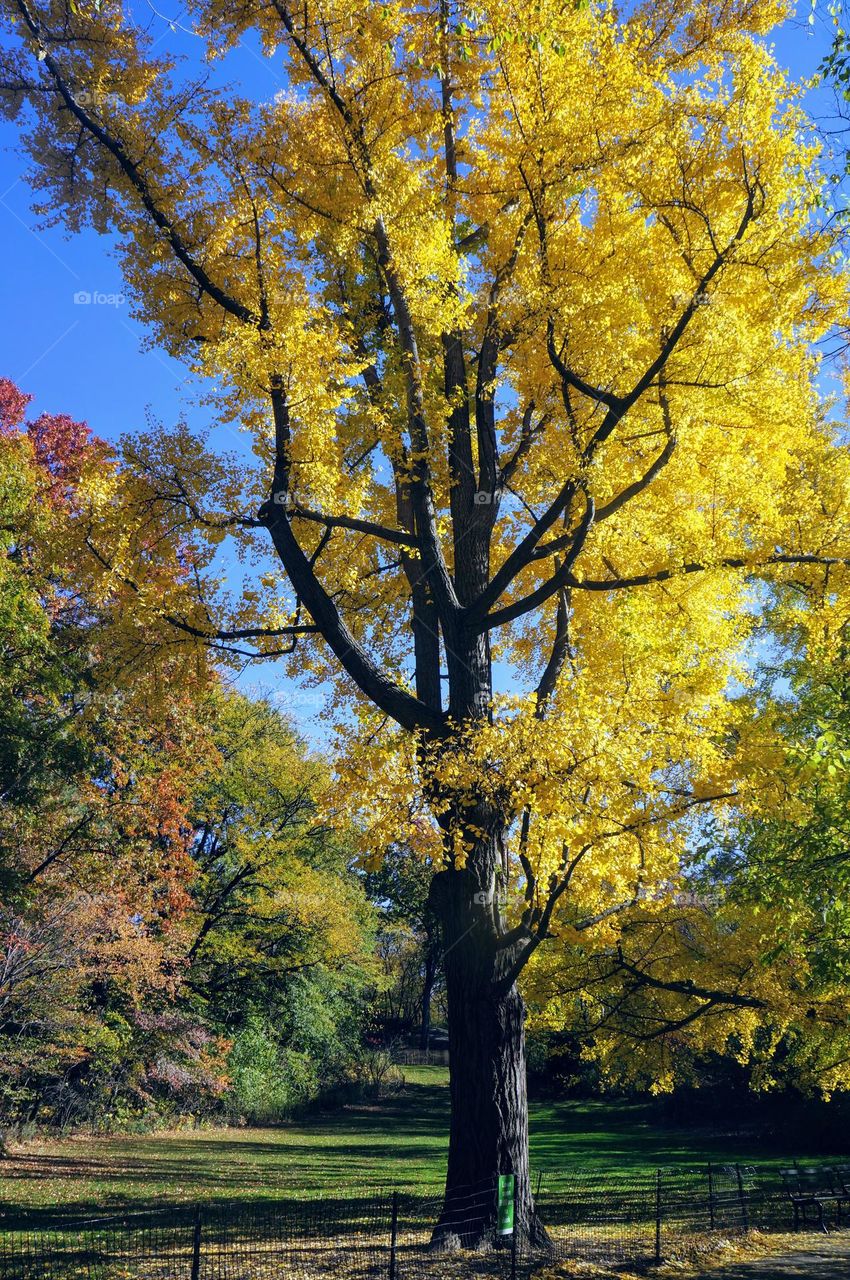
column 163, row 870
column 519, row 302
column 97, row 765
column 279, row 946
column 409, row 940
column 747, row 960
column 96, row 747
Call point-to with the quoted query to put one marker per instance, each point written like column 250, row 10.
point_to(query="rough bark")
column 489, row 1115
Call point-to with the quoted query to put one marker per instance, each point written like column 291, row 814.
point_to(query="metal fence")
column 420, row 1057
column 633, row 1218
column 656, row 1214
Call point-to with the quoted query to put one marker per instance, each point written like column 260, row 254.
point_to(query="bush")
column 259, row 1090
column 377, row 1073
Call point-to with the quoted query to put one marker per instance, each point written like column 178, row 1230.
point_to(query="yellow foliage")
column 627, row 206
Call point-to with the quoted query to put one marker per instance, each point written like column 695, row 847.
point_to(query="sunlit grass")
column 398, row 1141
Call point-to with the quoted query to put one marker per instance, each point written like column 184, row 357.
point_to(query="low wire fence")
column 659, row 1213
column 420, row 1057
column 633, row 1218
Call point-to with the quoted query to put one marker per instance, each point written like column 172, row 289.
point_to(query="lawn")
column 397, row 1142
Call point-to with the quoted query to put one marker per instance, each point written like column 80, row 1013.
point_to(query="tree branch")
column 399, row 537
column 132, row 172
column 408, row 711
column 687, row 987
column 212, row 634
column 560, row 579
column 727, row 562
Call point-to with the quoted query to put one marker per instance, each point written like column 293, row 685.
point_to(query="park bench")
column 816, row 1188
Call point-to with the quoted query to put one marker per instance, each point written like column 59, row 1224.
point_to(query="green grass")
column 397, row 1142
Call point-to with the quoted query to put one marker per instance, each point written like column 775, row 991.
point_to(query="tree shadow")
column 361, row 1147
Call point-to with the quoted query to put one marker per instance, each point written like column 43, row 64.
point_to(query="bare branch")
column 727, row 562
column 398, row 536
column 210, row 634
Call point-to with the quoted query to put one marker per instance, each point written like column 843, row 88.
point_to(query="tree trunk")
column 427, row 992
column 489, row 1109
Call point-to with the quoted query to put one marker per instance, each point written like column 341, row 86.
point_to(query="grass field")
column 397, row 1142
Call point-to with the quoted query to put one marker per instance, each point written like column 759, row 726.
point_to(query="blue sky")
column 87, row 359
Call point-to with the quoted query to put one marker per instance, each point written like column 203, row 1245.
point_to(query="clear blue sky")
column 87, row 360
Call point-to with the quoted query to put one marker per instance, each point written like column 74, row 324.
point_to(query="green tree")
column 763, row 913
column 280, row 954
column 409, row 940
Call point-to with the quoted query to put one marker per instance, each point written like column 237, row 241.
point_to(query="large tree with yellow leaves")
column 519, row 302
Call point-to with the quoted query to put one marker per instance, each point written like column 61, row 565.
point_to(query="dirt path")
column 825, row 1259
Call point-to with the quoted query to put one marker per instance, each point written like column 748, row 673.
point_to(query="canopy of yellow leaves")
column 612, row 172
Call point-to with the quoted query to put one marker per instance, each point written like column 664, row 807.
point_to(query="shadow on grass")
column 363, row 1147
column 621, row 1136
column 399, row 1141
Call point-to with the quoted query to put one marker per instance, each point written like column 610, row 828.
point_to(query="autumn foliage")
column 524, row 307
column 148, row 871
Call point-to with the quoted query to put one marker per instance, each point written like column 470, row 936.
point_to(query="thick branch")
column 558, row 654
column 408, row 711
column 434, row 565
column 687, row 988
column 559, row 580
column 398, row 536
column 403, row 707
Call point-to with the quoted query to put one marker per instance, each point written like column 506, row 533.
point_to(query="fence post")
column 394, row 1236
column 710, row 1195
column 515, row 1231
column 742, row 1196
column 657, row 1215
column 196, row 1245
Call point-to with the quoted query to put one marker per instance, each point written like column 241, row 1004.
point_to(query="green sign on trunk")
column 505, row 1210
